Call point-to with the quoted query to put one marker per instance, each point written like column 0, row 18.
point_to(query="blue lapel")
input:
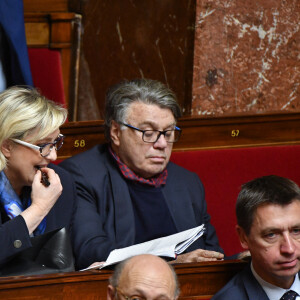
column 124, row 216
column 252, row 287
column 181, row 210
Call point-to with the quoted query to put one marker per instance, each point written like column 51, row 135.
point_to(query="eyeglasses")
column 134, row 297
column 152, row 136
column 44, row 149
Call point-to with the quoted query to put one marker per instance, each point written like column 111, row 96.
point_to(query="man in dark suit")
column 128, row 190
column 268, row 215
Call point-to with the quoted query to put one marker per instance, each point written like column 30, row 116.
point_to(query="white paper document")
column 168, row 246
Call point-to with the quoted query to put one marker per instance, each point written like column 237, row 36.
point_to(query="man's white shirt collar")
column 274, row 292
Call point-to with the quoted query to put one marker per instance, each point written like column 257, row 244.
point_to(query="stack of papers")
column 169, row 246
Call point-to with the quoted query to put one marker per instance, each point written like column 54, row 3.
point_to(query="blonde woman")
column 35, row 197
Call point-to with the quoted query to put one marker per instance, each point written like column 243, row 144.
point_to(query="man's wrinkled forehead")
column 257, row 213
column 141, row 273
column 148, row 112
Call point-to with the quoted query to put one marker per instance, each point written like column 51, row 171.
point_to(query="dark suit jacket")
column 14, row 50
column 59, row 216
column 104, row 219
column 242, row 286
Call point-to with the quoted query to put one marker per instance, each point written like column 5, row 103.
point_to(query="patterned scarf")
column 156, row 181
column 13, row 205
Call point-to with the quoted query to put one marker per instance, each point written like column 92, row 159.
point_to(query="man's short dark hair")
column 270, row 189
column 121, row 95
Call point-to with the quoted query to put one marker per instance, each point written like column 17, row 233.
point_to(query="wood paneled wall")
column 51, row 24
column 45, row 6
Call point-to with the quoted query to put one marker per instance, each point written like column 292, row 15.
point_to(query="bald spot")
column 147, row 275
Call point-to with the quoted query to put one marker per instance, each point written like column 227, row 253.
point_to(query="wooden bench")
column 197, row 281
column 200, row 133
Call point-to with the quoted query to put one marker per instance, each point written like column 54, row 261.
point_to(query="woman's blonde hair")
column 24, row 110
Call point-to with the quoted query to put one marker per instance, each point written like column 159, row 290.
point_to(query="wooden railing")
column 197, row 281
column 200, row 133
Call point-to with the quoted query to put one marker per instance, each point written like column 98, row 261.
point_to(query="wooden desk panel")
column 197, row 281
column 203, row 280
column 45, row 5
column 200, row 133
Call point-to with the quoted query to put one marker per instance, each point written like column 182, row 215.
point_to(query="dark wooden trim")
column 45, row 5
column 239, row 131
column 189, row 64
column 80, row 136
column 197, row 281
column 203, row 280
column 201, row 133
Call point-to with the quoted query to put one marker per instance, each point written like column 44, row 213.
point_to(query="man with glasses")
column 143, row 277
column 128, row 190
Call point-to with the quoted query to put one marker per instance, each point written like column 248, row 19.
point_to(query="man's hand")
column 96, row 265
column 198, row 255
column 244, row 255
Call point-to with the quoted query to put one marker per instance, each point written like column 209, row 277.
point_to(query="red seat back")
column 46, row 72
column 223, row 171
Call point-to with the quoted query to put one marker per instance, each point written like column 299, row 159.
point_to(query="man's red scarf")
column 156, row 181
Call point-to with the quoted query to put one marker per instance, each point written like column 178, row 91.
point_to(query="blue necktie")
column 289, row 295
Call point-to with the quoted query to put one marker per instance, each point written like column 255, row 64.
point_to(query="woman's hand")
column 42, row 198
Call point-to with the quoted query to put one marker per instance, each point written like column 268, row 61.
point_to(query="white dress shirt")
column 274, row 292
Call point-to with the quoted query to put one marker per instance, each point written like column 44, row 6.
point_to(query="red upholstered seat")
column 223, row 171
column 46, row 72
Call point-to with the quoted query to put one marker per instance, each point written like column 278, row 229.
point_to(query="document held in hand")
column 168, row 246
